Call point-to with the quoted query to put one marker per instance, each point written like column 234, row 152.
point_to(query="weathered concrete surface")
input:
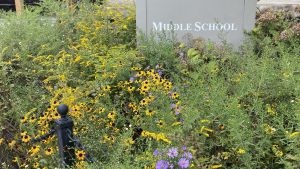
column 292, row 6
column 279, row 2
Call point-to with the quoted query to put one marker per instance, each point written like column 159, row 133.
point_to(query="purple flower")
column 159, row 72
column 173, row 106
column 183, row 148
column 183, row 163
column 132, row 79
column 173, row 152
column 155, row 153
column 188, row 155
column 177, row 112
column 171, row 166
column 162, row 164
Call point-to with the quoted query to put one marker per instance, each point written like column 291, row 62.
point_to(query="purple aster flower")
column 177, row 112
column 173, row 106
column 162, row 164
column 171, row 166
column 188, row 155
column 159, row 72
column 132, row 79
column 173, row 152
column 183, row 163
column 183, row 148
column 155, row 153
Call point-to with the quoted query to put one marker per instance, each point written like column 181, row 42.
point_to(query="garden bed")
column 161, row 103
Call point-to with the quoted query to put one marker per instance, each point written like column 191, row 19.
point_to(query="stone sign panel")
column 215, row 20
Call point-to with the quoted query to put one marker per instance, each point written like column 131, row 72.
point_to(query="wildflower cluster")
column 173, row 158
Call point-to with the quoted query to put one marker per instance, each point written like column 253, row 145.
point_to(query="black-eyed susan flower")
column 144, row 102
column 130, row 89
column 106, row 88
column 145, row 88
column 34, row 150
column 174, row 95
column 149, row 112
column 23, row 119
column 12, row 144
column 26, row 138
column 32, row 119
column 160, row 123
column 222, row 126
column 56, row 116
column 80, row 155
column 15, row 159
column 101, row 110
column 49, row 151
column 140, row 74
column 36, row 165
column 111, row 115
column 135, row 68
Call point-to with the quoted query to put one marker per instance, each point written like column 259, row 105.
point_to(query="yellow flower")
column 32, row 119
column 81, row 165
column 15, row 159
column 34, row 150
column 149, row 112
column 269, row 130
column 36, row 165
column 294, row 134
column 106, row 88
column 80, row 155
column 130, row 89
column 128, row 142
column 145, row 88
column 135, row 68
column 144, row 101
column 241, row 151
column 225, row 155
column 12, row 144
column 140, row 73
column 1, row 141
column 279, row 153
column 111, row 115
column 175, row 95
column 49, row 151
column 77, row 59
column 23, row 119
column 62, row 77
column 26, row 138
column 160, row 123
column 216, row 166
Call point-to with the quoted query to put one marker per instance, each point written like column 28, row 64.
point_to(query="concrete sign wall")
column 209, row 19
